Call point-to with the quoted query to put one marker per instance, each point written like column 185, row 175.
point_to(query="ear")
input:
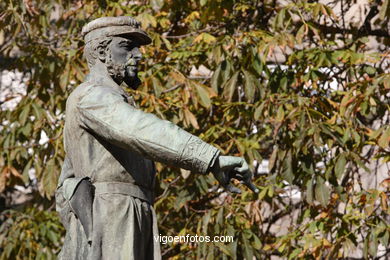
column 102, row 48
column 101, row 52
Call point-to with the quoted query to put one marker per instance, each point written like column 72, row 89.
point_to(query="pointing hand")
column 226, row 168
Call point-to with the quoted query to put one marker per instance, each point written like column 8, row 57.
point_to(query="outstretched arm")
column 106, row 113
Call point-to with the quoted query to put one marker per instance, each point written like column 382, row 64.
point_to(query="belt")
column 125, row 189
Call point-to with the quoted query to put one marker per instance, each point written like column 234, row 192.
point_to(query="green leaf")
column 24, row 114
column 357, row 160
column 257, row 243
column 248, row 251
column 50, row 178
column 258, row 111
column 373, row 244
column 230, row 87
column 301, row 33
column 220, row 218
column 295, row 253
column 310, row 191
column 167, row 43
column 26, row 129
column 250, row 85
column 322, row 192
column 226, row 249
column 205, row 100
column 226, row 68
column 217, row 54
column 157, row 86
column 216, row 79
column 340, row 165
column 272, row 160
column 280, row 114
column 370, row 70
column 206, row 220
column 38, row 111
column 287, row 172
column 25, row 174
column 263, row 193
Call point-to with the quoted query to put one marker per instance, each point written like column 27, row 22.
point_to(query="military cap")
column 125, row 26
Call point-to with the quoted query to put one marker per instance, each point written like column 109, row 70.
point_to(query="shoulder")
column 77, row 94
column 78, row 90
column 99, row 94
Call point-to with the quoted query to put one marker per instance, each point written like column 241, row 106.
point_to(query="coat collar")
column 105, row 80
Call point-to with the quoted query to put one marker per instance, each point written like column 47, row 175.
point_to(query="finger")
column 222, row 178
column 242, row 176
column 251, row 186
column 234, row 175
column 243, row 168
column 232, row 189
column 238, row 177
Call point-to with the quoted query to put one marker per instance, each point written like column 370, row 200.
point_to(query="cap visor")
column 141, row 38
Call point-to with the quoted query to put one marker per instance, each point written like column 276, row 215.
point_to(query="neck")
column 99, row 70
column 98, row 73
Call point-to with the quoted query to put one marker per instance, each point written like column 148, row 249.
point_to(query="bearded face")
column 122, row 61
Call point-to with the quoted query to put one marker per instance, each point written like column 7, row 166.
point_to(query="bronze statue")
column 105, row 191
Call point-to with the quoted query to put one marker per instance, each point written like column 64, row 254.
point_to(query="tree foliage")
column 290, row 82
column 34, row 234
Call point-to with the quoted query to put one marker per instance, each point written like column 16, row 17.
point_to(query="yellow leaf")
column 15, row 172
column 3, row 179
column 332, row 120
column 384, row 140
column 147, row 20
column 191, row 118
column 205, row 37
column 192, row 16
column 384, row 200
column 180, row 78
column 208, row 38
column 198, row 38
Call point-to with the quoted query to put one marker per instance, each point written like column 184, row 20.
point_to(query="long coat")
column 113, row 144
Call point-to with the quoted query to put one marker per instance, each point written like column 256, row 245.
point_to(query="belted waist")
column 125, row 189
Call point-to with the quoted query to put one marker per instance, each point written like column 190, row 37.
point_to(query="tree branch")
column 191, row 33
column 367, row 31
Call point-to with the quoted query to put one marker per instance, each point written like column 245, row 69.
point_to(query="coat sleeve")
column 107, row 114
column 62, row 204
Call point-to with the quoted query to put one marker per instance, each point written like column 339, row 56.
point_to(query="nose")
column 136, row 53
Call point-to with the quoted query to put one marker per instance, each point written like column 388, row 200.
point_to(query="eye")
column 125, row 44
column 128, row 45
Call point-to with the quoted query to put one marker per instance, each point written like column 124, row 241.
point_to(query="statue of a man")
column 105, row 191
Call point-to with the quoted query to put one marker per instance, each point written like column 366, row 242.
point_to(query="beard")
column 123, row 72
